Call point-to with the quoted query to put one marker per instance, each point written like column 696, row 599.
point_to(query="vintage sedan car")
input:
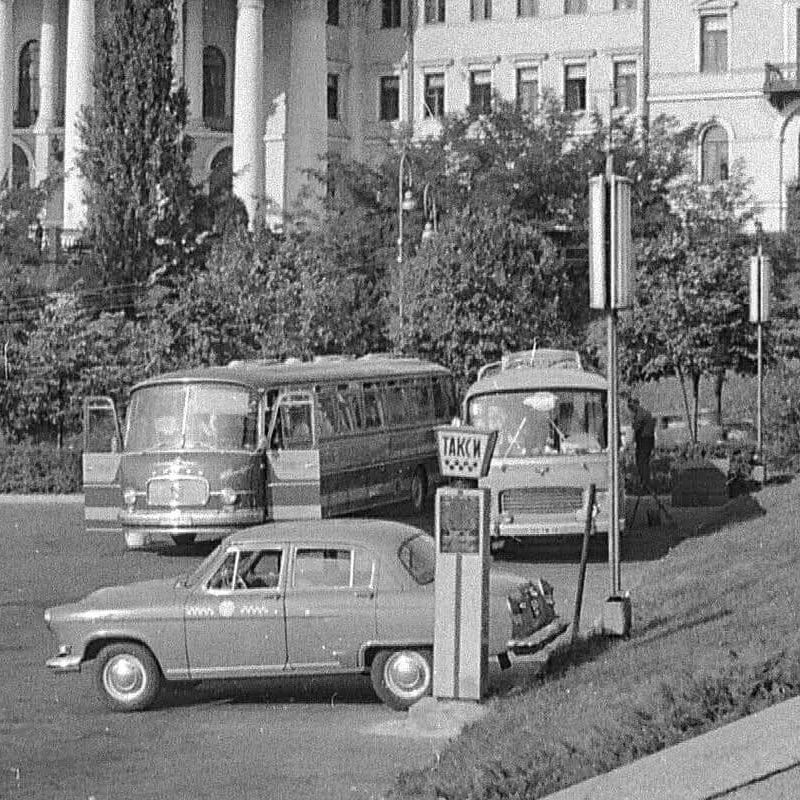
column 301, row 598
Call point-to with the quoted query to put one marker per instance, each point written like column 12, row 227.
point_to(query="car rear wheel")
column 127, row 676
column 401, row 677
column 419, row 490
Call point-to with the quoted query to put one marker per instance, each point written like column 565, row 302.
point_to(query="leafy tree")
column 135, row 156
column 483, row 286
column 690, row 317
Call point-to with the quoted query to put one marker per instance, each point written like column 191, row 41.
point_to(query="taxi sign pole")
column 461, row 622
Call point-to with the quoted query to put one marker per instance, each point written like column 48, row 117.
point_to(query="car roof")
column 377, row 534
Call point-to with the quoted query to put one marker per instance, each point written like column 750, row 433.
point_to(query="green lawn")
column 716, row 636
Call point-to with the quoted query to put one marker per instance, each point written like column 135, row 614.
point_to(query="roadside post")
column 611, row 289
column 461, row 626
column 760, row 281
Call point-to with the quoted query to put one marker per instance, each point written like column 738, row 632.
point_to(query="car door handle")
column 365, row 593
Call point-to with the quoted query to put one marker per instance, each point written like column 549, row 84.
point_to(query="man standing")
column 644, row 437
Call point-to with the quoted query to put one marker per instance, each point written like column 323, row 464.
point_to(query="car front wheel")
column 127, row 676
column 401, row 677
column 419, row 490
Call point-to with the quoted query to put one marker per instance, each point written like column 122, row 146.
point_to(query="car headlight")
column 229, row 496
column 129, row 496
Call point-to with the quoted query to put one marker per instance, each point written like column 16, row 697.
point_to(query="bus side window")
column 354, row 403
column 373, row 412
column 423, row 398
column 395, row 403
column 444, row 403
column 327, row 414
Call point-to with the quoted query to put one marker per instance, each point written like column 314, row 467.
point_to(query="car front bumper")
column 65, row 662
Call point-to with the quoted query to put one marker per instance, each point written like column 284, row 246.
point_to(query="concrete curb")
column 709, row 766
column 40, row 498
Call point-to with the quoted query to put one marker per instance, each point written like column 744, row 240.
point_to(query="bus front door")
column 293, row 468
column 102, row 446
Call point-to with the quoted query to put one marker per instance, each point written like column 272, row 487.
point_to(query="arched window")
column 220, row 181
column 213, row 83
column 20, row 168
column 28, row 84
column 714, row 155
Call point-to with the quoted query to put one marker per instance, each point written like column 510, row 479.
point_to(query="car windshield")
column 533, row 423
column 201, row 416
column 195, row 577
column 418, row 555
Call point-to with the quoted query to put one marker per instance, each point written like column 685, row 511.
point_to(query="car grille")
column 541, row 500
column 177, row 492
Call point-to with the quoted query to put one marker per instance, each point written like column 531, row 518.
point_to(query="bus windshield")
column 201, row 416
column 533, row 423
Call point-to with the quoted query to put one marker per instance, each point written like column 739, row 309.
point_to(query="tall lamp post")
column 760, row 279
column 405, row 202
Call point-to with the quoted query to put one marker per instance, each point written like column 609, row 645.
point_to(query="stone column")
column 248, row 107
column 356, row 108
column 80, row 62
column 193, row 60
column 307, row 120
column 47, row 86
column 6, row 86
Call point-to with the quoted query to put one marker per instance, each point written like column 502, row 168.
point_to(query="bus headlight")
column 129, row 497
column 229, row 496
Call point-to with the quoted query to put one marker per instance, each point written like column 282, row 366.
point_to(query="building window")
column 480, row 91
column 714, row 43
column 390, row 13
column 624, row 5
column 434, row 95
column 527, row 8
column 389, row 102
column 575, row 87
column 575, row 6
column 528, row 89
column 213, row 83
column 480, row 10
column 714, row 155
column 625, row 84
column 333, row 96
column 434, row 10
column 20, row 168
column 28, row 85
column 333, row 12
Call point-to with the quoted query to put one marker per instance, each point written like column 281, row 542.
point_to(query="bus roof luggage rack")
column 383, row 355
column 536, row 357
column 253, row 362
column 333, row 358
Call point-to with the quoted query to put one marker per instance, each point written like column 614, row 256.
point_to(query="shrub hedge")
column 39, row 469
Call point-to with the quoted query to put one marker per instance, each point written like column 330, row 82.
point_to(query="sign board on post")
column 461, row 627
column 464, row 451
column 760, row 280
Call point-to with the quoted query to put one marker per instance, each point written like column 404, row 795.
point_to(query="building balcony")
column 781, row 84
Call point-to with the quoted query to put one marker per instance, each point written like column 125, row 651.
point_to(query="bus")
column 208, row 450
column 550, row 414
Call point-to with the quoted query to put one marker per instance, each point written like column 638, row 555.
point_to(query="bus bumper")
column 522, row 529
column 142, row 528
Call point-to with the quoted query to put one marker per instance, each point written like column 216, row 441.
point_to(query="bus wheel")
column 183, row 538
column 401, row 677
column 419, row 490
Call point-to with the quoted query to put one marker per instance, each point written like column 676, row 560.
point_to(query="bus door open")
column 102, row 450
column 293, row 473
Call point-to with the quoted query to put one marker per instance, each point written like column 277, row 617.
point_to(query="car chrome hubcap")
column 407, row 674
column 124, row 677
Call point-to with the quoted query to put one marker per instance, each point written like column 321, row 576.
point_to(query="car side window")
column 322, row 568
column 248, row 569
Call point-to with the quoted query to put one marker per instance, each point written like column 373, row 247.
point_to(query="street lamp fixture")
column 429, row 208
column 405, row 202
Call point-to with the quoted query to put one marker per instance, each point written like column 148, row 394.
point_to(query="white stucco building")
column 273, row 84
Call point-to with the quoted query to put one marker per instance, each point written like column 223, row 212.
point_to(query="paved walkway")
column 755, row 758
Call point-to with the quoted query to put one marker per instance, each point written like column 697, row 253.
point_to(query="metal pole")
column 613, row 416
column 759, row 398
column 587, row 531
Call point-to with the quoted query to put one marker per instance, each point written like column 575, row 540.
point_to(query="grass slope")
column 716, row 636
